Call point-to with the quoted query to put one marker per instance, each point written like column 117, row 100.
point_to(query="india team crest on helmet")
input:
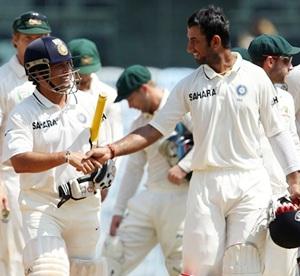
column 61, row 47
column 241, row 90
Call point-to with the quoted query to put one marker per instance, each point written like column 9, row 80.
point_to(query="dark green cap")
column 85, row 55
column 131, row 79
column 271, row 45
column 31, row 23
column 243, row 52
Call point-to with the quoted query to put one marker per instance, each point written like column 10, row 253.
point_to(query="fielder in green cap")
column 274, row 54
column 15, row 87
column 85, row 54
column 274, row 46
column 131, row 79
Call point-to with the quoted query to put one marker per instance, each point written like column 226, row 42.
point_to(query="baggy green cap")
column 131, row 79
column 31, row 23
column 85, row 54
column 272, row 45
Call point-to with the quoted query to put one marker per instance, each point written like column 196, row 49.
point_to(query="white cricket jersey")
column 14, row 87
column 157, row 167
column 287, row 111
column 225, row 111
column 293, row 84
column 112, row 110
column 38, row 125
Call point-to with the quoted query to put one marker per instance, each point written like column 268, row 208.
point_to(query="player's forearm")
column 136, row 140
column 34, row 162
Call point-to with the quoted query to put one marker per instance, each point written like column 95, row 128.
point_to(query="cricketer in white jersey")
column 46, row 137
column 155, row 215
column 274, row 54
column 230, row 190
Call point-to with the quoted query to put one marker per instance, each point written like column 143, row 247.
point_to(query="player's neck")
column 223, row 62
column 157, row 98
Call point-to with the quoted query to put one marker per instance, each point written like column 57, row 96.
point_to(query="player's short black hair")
column 211, row 21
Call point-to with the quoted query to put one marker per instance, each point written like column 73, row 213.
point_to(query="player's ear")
column 143, row 88
column 216, row 41
column 14, row 39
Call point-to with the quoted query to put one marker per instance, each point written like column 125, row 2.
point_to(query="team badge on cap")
column 34, row 22
column 86, row 60
column 241, row 90
column 61, row 47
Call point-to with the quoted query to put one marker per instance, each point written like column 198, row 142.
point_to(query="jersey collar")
column 210, row 73
column 43, row 101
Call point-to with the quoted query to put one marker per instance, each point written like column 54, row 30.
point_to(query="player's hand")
column 77, row 160
column 293, row 180
column 176, row 175
column 115, row 223
column 101, row 154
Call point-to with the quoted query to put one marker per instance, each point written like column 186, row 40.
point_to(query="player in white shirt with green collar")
column 274, row 54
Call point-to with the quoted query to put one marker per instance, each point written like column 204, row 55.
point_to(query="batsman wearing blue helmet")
column 46, row 139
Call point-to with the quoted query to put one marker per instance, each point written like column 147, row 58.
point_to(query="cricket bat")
column 97, row 120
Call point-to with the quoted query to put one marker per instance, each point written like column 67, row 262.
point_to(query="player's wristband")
column 67, row 156
column 112, row 150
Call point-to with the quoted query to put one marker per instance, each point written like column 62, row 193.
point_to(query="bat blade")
column 97, row 119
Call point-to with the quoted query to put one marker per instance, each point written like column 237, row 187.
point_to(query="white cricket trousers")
column 224, row 207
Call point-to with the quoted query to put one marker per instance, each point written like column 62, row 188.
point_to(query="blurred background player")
column 155, row 215
column 274, row 54
column 46, row 139
column 14, row 87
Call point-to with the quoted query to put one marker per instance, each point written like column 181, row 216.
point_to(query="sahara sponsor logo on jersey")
column 44, row 124
column 202, row 94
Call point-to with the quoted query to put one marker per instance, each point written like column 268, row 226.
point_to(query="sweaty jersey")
column 226, row 110
column 14, row 87
column 38, row 125
column 293, row 85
